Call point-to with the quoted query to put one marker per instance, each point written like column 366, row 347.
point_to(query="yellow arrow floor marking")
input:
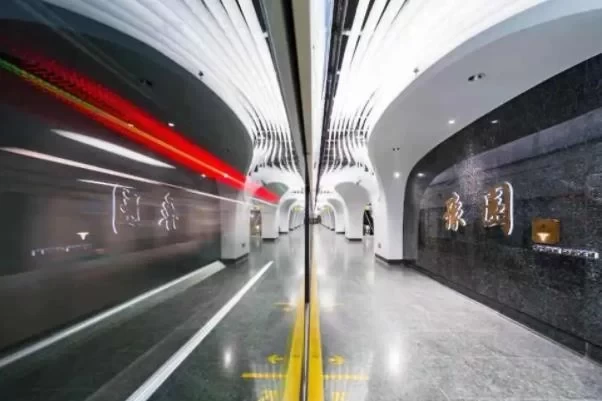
column 336, row 360
column 274, row 359
column 280, row 376
column 338, row 396
column 269, row 395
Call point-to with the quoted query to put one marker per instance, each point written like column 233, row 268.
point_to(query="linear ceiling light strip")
column 142, row 29
column 407, row 27
column 361, row 76
column 354, row 34
column 281, row 121
column 225, row 17
column 231, row 46
column 351, row 99
column 138, row 28
column 369, row 73
column 219, row 68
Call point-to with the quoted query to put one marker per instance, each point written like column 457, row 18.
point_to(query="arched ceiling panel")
column 223, row 44
column 387, row 46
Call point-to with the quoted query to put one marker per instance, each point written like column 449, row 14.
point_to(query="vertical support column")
column 356, row 199
column 388, row 221
column 269, row 223
column 235, row 225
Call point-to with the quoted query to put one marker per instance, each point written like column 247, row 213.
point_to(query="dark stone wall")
column 556, row 172
column 50, row 277
column 563, row 97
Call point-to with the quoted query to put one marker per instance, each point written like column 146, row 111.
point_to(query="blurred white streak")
column 111, row 148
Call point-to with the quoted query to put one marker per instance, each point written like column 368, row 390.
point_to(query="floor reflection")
column 396, row 334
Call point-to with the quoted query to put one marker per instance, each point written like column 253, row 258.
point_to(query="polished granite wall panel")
column 561, row 98
column 555, row 174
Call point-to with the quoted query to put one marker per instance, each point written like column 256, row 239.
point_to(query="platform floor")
column 415, row 339
column 386, row 333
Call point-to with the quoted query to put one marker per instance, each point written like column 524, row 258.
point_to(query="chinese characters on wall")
column 169, row 215
column 497, row 209
column 453, row 213
column 126, row 210
column 126, row 207
column 498, row 212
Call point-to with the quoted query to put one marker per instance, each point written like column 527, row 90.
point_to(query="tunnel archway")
column 339, row 211
column 295, row 215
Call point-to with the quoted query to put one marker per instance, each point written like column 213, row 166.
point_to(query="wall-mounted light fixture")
column 545, row 231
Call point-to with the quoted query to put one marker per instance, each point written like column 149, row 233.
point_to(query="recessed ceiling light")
column 111, row 148
column 396, row 174
column 450, row 122
column 495, row 121
column 421, row 174
column 476, row 77
column 204, row 175
column 171, row 124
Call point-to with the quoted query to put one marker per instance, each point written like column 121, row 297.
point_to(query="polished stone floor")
column 115, row 360
column 387, row 333
column 390, row 333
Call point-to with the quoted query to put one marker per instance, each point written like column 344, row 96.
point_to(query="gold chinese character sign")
column 499, row 208
column 453, row 213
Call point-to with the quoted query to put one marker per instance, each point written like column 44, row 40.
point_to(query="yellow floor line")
column 260, row 375
column 315, row 385
column 292, row 384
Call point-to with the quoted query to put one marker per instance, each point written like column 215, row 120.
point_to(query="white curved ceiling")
column 393, row 52
column 220, row 42
column 388, row 46
column 403, row 84
column 515, row 55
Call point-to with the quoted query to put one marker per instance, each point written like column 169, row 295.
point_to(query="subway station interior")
column 301, row 200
